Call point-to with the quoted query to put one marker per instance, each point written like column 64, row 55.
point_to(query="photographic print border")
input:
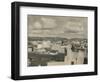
column 15, row 40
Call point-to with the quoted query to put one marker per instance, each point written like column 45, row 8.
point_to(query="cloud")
column 57, row 26
column 48, row 22
column 35, row 31
column 35, row 26
column 73, row 27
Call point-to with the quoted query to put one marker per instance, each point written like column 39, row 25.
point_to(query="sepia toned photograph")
column 53, row 40
column 57, row 40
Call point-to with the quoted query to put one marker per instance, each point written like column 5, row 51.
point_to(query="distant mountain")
column 79, row 39
column 53, row 38
column 46, row 38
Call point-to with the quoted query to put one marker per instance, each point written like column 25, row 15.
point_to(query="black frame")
column 15, row 41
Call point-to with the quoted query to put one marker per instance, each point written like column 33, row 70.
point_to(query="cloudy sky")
column 57, row 26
